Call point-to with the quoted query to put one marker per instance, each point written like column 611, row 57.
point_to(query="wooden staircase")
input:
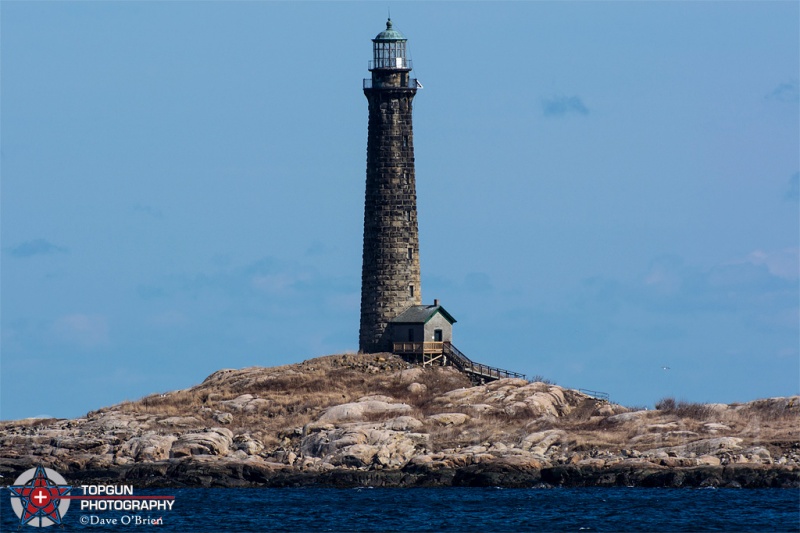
column 444, row 353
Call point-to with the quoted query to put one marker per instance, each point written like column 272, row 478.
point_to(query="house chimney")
column 436, row 302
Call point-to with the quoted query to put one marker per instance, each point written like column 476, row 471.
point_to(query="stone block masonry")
column 390, row 276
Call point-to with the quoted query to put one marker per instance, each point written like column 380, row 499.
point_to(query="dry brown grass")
column 27, row 423
column 437, row 381
column 297, row 394
column 757, row 421
column 771, row 410
column 683, row 409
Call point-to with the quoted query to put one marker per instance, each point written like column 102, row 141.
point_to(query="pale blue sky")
column 604, row 189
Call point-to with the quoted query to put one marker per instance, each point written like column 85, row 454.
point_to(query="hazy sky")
column 604, row 189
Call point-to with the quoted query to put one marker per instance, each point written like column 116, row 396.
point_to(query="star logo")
column 36, row 497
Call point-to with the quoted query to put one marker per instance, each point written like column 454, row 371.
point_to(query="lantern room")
column 389, row 50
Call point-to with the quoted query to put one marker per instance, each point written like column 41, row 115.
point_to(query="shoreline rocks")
column 210, row 473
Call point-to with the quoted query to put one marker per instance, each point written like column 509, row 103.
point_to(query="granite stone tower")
column 390, row 274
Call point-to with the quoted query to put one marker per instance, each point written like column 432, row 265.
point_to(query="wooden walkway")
column 444, row 353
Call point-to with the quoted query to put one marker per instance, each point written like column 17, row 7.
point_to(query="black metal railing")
column 370, row 84
column 597, row 395
column 466, row 365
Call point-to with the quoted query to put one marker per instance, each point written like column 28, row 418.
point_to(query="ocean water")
column 448, row 509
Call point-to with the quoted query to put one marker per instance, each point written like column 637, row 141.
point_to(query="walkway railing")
column 418, row 347
column 476, row 370
column 597, row 395
column 370, row 84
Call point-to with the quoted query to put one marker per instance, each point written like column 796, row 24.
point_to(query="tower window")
column 411, row 253
column 405, row 141
column 411, row 290
column 408, row 215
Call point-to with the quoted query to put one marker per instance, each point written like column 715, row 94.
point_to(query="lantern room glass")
column 389, row 54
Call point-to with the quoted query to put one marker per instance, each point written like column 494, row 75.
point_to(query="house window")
column 411, row 290
column 437, row 335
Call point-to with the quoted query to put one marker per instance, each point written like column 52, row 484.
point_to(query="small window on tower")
column 411, row 290
column 408, row 215
column 411, row 254
column 405, row 141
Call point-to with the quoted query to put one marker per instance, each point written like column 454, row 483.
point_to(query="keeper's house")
column 422, row 328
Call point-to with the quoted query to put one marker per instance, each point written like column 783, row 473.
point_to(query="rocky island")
column 376, row 420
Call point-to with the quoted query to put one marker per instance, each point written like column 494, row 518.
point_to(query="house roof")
column 420, row 314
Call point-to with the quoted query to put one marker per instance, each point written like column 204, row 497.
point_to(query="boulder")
column 592, row 462
column 410, row 375
column 403, row 423
column 247, row 444
column 714, row 427
column 222, row 418
column 474, row 450
column 460, row 396
column 700, row 447
column 246, row 403
column 481, row 408
column 357, row 456
column 376, row 398
column 507, row 382
column 179, row 421
column 520, row 461
column 538, row 443
column 661, row 428
column 758, row 454
column 708, row 460
column 632, row 416
column 213, row 441
column 605, row 410
column 515, row 408
column 113, row 420
column 361, row 410
column 680, row 435
column 362, row 444
column 95, row 445
column 147, row 447
column 416, row 388
column 455, row 460
column 449, row 419
column 498, row 447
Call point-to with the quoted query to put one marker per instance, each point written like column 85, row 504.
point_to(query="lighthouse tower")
column 390, row 274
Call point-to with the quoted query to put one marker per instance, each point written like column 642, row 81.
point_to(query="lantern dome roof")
column 389, row 34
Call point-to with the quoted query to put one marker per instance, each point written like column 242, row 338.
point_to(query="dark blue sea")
column 448, row 509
